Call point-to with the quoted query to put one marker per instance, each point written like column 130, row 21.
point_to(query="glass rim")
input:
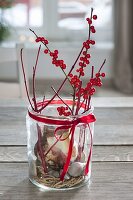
column 70, row 117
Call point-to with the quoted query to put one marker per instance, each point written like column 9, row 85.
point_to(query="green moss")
column 4, row 32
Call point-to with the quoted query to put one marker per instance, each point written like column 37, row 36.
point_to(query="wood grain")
column 100, row 153
column 110, row 181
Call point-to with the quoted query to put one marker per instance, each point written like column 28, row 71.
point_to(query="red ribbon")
column 65, row 124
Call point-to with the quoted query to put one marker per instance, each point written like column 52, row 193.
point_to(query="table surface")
column 112, row 168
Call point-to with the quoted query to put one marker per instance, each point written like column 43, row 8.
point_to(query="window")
column 24, row 13
column 61, row 19
column 72, row 16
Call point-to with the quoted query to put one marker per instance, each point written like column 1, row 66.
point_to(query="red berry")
column 93, row 90
column 42, row 39
column 46, row 41
column 87, row 46
column 69, row 113
column 94, row 17
column 51, row 54
column 81, row 58
column 38, row 39
column 92, row 27
column 82, row 73
column 63, row 66
column 80, row 64
column 53, row 62
column 87, row 62
column 92, row 80
column 56, row 51
column 103, row 74
column 88, row 41
column 70, row 75
column 99, row 84
column 84, row 53
column 89, row 20
column 46, row 51
column 58, row 108
column 88, row 55
column 97, row 75
column 61, row 61
column 93, row 42
column 84, row 44
column 93, row 30
column 89, row 85
column 85, row 96
column 90, row 93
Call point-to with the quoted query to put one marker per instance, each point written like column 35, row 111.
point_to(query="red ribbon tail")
column 88, row 163
column 89, row 157
column 65, row 169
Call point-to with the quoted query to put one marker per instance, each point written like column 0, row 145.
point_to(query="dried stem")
column 33, row 84
column 102, row 65
column 79, row 96
column 25, row 82
column 89, row 99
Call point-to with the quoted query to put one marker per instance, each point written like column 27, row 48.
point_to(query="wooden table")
column 112, row 170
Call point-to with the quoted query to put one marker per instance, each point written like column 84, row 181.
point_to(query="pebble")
column 76, row 169
column 54, row 173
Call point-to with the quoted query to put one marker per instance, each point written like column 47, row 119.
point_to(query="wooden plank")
column 113, row 134
column 100, row 153
column 11, row 115
column 13, row 134
column 16, row 134
column 109, row 181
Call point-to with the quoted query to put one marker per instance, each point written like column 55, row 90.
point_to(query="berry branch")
column 54, row 55
column 81, row 95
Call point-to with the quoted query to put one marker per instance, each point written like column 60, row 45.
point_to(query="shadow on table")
column 25, row 190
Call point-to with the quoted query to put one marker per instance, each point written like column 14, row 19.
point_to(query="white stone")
column 76, row 169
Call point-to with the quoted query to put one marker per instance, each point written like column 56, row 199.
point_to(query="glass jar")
column 59, row 148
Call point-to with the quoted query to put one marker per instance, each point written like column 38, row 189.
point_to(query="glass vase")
column 59, row 148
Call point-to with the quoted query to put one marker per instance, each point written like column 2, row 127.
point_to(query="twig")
column 25, row 82
column 102, row 65
column 79, row 96
column 34, row 73
column 89, row 99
